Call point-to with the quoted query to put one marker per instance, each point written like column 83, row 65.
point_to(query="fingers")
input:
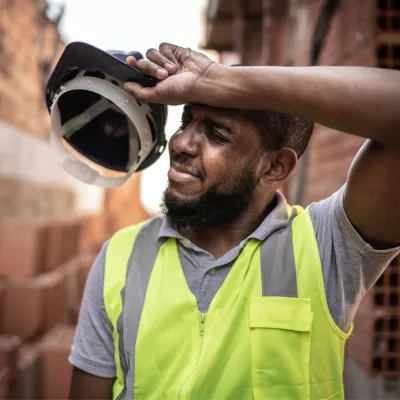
column 147, row 67
column 164, row 59
column 159, row 63
column 168, row 51
column 147, row 95
column 131, row 61
column 153, row 69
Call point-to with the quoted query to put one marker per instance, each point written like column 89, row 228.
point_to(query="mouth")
column 181, row 174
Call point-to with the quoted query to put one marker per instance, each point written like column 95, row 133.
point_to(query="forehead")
column 240, row 127
column 200, row 111
column 231, row 118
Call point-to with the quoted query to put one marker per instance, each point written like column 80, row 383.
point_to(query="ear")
column 277, row 166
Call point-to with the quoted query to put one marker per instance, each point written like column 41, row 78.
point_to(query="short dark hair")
column 279, row 129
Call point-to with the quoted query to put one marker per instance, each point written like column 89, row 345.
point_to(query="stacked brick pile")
column 43, row 262
column 43, row 268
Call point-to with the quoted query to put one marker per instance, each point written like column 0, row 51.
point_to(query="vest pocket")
column 280, row 330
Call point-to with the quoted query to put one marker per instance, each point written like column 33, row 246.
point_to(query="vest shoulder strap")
column 118, row 252
column 306, row 256
column 130, row 256
column 278, row 269
column 310, row 279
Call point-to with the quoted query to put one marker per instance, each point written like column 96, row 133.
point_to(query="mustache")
column 184, row 160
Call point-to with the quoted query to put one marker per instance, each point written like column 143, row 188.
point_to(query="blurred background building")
column 51, row 226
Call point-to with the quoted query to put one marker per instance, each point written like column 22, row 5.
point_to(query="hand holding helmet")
column 180, row 71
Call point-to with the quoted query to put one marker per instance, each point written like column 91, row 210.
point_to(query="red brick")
column 21, row 247
column 2, row 294
column 5, row 383
column 73, row 300
column 71, row 234
column 23, row 307
column 27, row 382
column 22, row 21
column 9, row 346
column 54, row 245
column 77, row 229
column 93, row 233
column 57, row 371
column 34, row 305
column 358, row 354
column 85, row 264
column 54, row 298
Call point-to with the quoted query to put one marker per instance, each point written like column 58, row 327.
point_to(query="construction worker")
column 233, row 294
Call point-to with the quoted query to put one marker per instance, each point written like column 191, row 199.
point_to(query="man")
column 234, row 294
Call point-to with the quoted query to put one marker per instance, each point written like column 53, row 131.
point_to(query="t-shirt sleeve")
column 350, row 266
column 93, row 347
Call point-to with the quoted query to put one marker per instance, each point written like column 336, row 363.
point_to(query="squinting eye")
column 216, row 136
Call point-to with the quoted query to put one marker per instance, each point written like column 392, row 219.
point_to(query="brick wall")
column 43, row 271
column 350, row 41
column 26, row 42
column 51, row 225
column 31, row 182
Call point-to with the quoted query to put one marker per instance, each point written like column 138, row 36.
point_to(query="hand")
column 180, row 71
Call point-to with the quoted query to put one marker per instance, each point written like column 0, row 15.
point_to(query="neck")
column 218, row 240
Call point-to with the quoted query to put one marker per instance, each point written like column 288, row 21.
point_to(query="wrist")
column 214, row 86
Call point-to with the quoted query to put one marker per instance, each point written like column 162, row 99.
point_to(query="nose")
column 185, row 142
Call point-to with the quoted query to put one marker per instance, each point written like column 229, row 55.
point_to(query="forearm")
column 357, row 100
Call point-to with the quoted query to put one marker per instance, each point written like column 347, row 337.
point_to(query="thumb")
column 147, row 95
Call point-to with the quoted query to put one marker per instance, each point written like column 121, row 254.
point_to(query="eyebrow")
column 211, row 122
column 187, row 109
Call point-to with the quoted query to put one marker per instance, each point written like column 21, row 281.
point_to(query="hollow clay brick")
column 57, row 371
column 22, row 244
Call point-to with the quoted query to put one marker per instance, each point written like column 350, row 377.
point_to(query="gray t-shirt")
column 350, row 267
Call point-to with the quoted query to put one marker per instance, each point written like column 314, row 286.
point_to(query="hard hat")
column 100, row 133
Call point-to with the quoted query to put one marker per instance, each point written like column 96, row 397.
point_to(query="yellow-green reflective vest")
column 268, row 333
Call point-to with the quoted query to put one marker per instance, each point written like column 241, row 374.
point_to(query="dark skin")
column 360, row 101
column 85, row 386
column 217, row 144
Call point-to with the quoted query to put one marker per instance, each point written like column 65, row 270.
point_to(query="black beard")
column 219, row 206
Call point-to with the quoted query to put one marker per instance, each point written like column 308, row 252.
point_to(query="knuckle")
column 151, row 52
column 187, row 53
column 144, row 65
column 180, row 52
column 164, row 46
column 156, row 91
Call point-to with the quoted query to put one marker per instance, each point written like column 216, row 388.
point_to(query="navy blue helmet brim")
column 83, row 56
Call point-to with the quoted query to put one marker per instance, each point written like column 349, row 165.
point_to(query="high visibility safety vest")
column 268, row 333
